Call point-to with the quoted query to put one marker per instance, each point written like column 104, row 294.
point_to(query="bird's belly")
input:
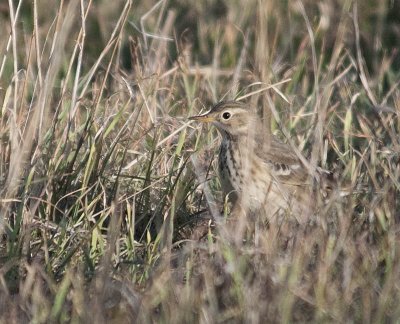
column 262, row 194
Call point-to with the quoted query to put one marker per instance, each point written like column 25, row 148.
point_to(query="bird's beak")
column 205, row 118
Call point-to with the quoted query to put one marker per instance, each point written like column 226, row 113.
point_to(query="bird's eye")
column 226, row 115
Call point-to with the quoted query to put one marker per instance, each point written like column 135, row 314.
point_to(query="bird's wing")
column 285, row 165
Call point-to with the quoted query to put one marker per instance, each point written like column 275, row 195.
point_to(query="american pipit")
column 261, row 176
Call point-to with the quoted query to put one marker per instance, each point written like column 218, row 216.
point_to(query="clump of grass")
column 108, row 193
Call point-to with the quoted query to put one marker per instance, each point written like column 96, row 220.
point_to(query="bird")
column 262, row 175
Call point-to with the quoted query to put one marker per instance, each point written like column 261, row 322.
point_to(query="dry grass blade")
column 111, row 208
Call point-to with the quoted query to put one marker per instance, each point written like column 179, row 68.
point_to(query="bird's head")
column 231, row 117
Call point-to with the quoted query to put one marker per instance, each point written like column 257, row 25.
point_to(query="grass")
column 106, row 187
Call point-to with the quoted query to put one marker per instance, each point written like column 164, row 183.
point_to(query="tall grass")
column 110, row 207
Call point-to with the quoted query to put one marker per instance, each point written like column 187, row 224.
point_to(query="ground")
column 111, row 210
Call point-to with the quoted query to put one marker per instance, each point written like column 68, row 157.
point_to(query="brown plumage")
column 261, row 175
